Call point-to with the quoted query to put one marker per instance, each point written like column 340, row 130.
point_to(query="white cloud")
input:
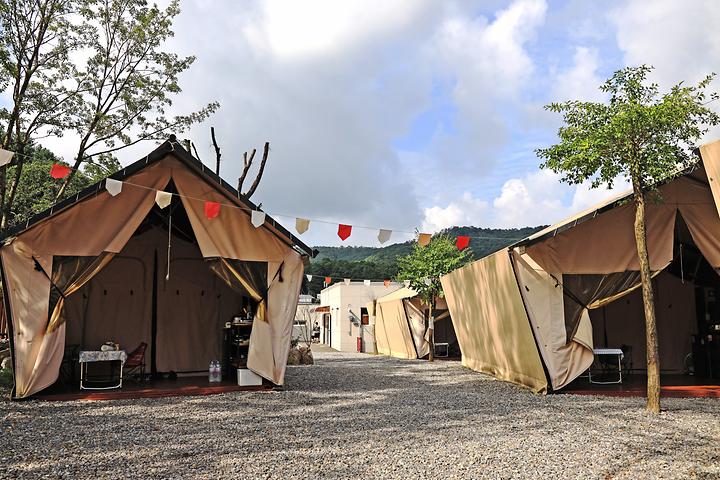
column 539, row 198
column 465, row 211
column 580, row 82
column 679, row 38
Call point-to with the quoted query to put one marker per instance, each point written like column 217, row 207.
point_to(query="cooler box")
column 247, row 378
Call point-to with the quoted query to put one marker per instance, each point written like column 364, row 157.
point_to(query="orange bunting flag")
column 212, row 209
column 462, row 242
column 59, row 171
column 424, row 239
column 386, row 283
column 344, row 231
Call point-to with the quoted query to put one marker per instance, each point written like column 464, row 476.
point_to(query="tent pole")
column 153, row 327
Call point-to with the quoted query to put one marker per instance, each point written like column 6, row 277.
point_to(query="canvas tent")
column 532, row 313
column 400, row 329
column 98, row 267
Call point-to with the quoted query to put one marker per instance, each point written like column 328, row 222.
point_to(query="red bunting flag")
column 462, row 242
column 327, row 281
column 344, row 231
column 212, row 209
column 59, row 171
column 386, row 283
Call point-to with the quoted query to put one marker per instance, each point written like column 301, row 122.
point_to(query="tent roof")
column 694, row 172
column 398, row 295
column 169, row 147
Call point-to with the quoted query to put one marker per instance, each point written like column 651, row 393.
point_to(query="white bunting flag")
column 384, row 235
column 113, row 186
column 257, row 218
column 366, row 282
column 406, row 283
column 5, row 156
column 163, row 199
column 301, row 225
column 309, row 277
column 347, row 281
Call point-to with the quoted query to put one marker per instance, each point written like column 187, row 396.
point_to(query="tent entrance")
column 161, row 291
column 687, row 313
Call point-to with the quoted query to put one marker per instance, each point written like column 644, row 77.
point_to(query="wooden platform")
column 677, row 386
column 184, row 386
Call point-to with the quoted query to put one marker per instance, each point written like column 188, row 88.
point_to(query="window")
column 364, row 317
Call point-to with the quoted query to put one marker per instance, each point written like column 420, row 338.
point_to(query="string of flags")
column 257, row 218
column 327, row 281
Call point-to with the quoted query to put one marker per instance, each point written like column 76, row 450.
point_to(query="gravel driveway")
column 354, row 415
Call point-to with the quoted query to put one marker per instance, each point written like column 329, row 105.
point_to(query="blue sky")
column 419, row 113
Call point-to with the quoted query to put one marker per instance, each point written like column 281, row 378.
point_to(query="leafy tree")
column 641, row 135
column 40, row 189
column 128, row 80
column 35, row 47
column 424, row 267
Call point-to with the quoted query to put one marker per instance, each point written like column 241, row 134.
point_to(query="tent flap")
column 491, row 323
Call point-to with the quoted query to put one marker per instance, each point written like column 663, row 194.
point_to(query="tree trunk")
column 431, row 332
column 12, row 191
column 653, row 361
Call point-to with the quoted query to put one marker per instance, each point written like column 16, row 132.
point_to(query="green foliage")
column 425, row 265
column 128, row 80
column 39, row 188
column 639, row 134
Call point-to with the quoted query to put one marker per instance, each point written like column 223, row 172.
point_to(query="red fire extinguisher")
column 359, row 344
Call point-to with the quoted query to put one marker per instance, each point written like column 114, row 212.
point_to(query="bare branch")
column 255, row 184
column 217, row 151
column 246, row 168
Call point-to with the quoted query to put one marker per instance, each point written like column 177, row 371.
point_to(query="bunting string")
column 257, row 217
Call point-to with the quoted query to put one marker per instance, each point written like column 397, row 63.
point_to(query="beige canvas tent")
column 532, row 313
column 400, row 329
column 98, row 267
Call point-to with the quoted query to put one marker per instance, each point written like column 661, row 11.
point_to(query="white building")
column 345, row 317
column 305, row 318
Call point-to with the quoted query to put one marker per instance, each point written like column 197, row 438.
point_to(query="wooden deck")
column 634, row 385
column 183, row 386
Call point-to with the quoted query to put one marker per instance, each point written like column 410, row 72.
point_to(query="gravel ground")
column 354, row 415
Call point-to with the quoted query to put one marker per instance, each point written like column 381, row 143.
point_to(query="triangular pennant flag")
column 366, row 282
column 328, row 280
column 386, row 283
column 59, row 171
column 257, row 218
column 406, row 283
column 384, row 235
column 113, row 186
column 163, row 199
column 5, row 156
column 347, row 281
column 462, row 242
column 344, row 231
column 424, row 239
column 301, row 225
column 212, row 209
column 309, row 277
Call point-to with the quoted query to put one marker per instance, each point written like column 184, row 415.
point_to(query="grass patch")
column 6, row 382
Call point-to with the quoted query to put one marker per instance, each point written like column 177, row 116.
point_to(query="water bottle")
column 214, row 374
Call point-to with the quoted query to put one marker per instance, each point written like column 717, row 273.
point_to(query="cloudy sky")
column 417, row 114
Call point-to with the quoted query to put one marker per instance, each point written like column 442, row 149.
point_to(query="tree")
column 424, row 267
column 35, row 47
column 639, row 135
column 128, row 79
column 39, row 189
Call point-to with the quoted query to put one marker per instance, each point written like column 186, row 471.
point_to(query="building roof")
column 169, row 147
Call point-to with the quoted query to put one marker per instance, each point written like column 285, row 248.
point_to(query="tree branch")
column 255, row 184
column 217, row 151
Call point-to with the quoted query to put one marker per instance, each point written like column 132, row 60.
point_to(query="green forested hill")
column 378, row 263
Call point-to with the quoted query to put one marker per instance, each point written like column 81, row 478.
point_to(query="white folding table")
column 608, row 351
column 88, row 356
